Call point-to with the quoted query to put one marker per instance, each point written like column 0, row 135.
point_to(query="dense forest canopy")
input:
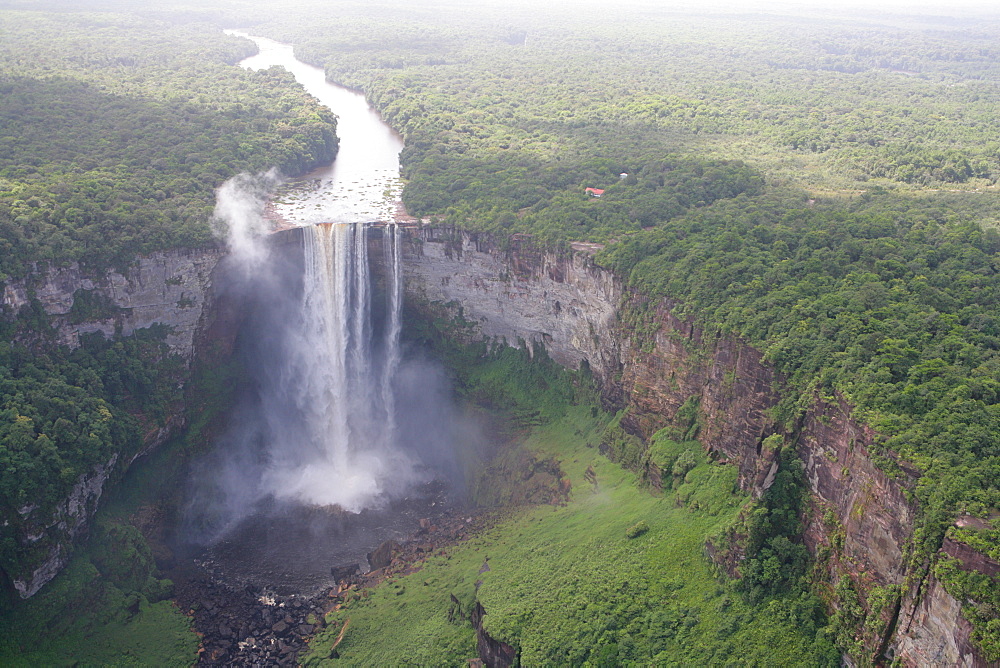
column 826, row 104
column 824, row 187
column 115, row 131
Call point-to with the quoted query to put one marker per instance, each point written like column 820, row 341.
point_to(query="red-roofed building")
column 596, row 192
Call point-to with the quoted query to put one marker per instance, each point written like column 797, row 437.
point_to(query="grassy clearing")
column 154, row 634
column 88, row 616
column 568, row 586
column 107, row 607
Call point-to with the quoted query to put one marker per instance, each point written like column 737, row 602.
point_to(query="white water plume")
column 325, row 412
column 316, row 421
column 239, row 216
column 394, row 308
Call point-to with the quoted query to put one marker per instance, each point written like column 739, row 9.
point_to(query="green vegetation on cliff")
column 115, row 131
column 823, row 188
column 66, row 414
column 614, row 575
column 893, row 304
column 109, row 605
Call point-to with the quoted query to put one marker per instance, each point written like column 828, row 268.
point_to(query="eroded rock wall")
column 563, row 302
column 60, row 529
column 171, row 288
column 861, row 521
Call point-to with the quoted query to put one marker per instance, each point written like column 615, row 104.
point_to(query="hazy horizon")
column 861, row 8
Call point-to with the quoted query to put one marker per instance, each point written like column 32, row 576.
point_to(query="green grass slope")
column 567, row 585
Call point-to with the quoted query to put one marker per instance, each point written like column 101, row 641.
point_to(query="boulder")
column 341, row 573
column 382, row 556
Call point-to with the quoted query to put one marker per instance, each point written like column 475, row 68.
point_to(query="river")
column 362, row 184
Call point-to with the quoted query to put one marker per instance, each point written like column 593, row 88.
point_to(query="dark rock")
column 305, row 629
column 970, row 558
column 382, row 556
column 455, row 609
column 493, row 652
column 280, row 628
column 133, row 609
column 345, row 572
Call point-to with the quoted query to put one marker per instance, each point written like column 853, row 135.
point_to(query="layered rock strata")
column 860, row 523
column 169, row 288
column 519, row 296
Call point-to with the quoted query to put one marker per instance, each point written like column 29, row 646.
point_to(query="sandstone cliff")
column 171, row 288
column 860, row 526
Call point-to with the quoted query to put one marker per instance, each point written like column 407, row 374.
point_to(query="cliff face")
column 56, row 532
column 170, row 288
column 562, row 302
column 860, row 523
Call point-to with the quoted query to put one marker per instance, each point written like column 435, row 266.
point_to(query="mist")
column 239, row 219
column 332, row 413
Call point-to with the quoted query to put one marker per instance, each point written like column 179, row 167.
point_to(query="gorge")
column 315, row 444
column 568, row 305
column 341, row 433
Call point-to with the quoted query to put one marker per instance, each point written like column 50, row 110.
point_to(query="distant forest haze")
column 816, row 182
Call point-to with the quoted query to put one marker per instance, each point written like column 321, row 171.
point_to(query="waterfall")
column 326, row 316
column 394, row 308
column 341, row 382
column 360, row 319
column 327, row 411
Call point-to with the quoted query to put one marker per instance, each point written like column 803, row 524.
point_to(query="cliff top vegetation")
column 115, row 130
column 824, row 189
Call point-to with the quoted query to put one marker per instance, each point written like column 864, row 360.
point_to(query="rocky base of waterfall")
column 398, row 558
column 250, row 626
